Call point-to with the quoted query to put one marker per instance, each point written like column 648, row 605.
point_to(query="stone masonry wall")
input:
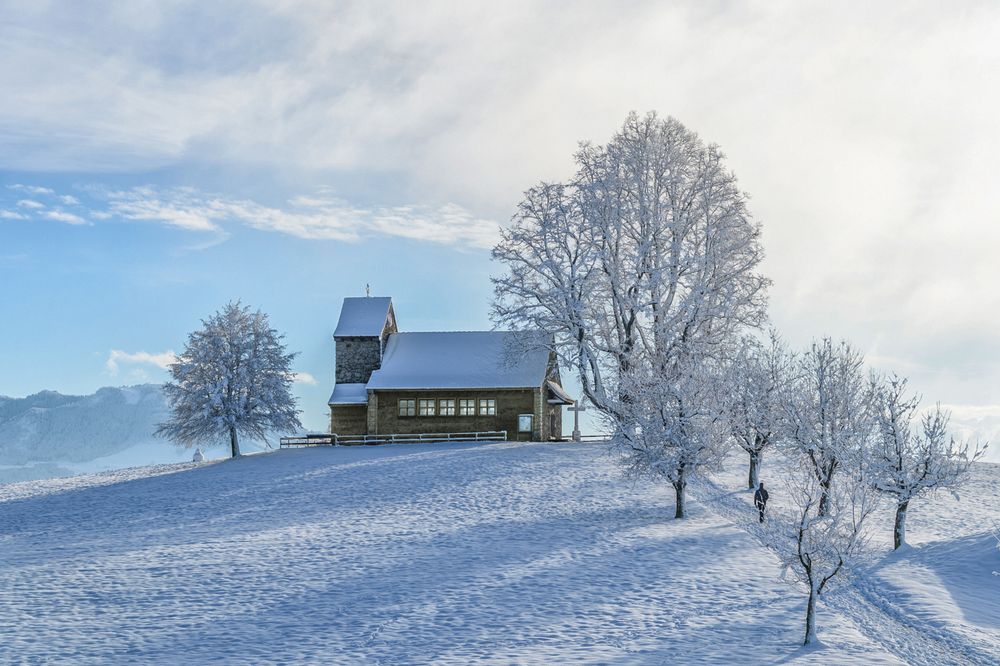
column 357, row 358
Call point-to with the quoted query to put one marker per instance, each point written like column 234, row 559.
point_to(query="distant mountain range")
column 50, row 434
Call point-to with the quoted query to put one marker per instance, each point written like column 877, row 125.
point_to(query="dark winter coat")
column 760, row 498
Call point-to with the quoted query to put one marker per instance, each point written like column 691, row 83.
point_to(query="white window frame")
column 467, row 407
column 446, row 407
column 489, row 408
column 407, row 407
column 427, row 407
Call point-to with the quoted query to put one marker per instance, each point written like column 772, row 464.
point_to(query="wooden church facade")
column 388, row 382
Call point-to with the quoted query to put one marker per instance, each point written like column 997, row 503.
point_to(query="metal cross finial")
column 368, row 290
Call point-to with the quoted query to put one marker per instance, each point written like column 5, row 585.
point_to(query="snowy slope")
column 934, row 601
column 49, row 434
column 448, row 554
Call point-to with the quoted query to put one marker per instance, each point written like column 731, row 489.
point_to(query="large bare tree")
column 644, row 263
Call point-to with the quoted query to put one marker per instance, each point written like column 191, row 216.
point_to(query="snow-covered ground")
column 498, row 553
column 935, row 600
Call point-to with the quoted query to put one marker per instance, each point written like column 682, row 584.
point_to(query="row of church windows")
column 447, row 407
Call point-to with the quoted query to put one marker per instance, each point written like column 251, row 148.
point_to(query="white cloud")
column 11, row 215
column 69, row 200
column 30, row 203
column 63, row 216
column 977, row 424
column 304, row 378
column 118, row 357
column 178, row 209
column 314, row 218
column 314, row 202
column 31, row 189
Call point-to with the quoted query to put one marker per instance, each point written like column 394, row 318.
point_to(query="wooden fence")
column 409, row 438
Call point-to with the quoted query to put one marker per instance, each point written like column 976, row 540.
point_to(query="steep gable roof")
column 363, row 316
column 463, row 359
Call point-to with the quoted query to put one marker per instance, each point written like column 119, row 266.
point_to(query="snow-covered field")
column 499, row 553
column 936, row 600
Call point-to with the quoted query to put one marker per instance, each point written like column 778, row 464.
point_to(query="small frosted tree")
column 910, row 455
column 233, row 378
column 753, row 401
column 826, row 419
column 825, row 544
column 671, row 427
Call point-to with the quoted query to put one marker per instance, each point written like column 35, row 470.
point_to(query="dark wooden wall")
column 510, row 404
column 349, row 419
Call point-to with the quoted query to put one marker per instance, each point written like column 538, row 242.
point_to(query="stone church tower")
column 364, row 327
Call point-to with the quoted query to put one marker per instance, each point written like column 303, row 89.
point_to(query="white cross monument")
column 576, row 409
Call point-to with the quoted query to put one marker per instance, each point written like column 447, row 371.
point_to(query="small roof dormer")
column 365, row 317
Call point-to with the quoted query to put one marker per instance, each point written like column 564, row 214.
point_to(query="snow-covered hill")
column 49, row 434
column 452, row 554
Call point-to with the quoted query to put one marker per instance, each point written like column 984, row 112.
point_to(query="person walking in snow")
column 760, row 500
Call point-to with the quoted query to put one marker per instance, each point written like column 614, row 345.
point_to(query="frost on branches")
column 912, row 455
column 647, row 256
column 675, row 426
column 753, row 398
column 233, row 378
column 827, row 533
column 827, row 422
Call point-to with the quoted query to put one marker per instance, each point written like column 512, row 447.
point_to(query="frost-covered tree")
column 912, row 455
column 648, row 255
column 233, row 378
column 754, row 397
column 827, row 422
column 672, row 426
column 826, row 543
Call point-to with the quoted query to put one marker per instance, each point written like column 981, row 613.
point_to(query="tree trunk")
column 811, row 617
column 679, row 487
column 824, row 498
column 899, row 532
column 754, row 477
column 234, row 443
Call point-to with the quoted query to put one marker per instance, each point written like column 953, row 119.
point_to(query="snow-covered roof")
column 349, row 394
column 363, row 316
column 463, row 359
column 558, row 395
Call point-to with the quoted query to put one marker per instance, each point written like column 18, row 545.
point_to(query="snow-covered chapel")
column 388, row 382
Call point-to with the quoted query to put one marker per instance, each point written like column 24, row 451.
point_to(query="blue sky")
column 99, row 298
column 160, row 158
